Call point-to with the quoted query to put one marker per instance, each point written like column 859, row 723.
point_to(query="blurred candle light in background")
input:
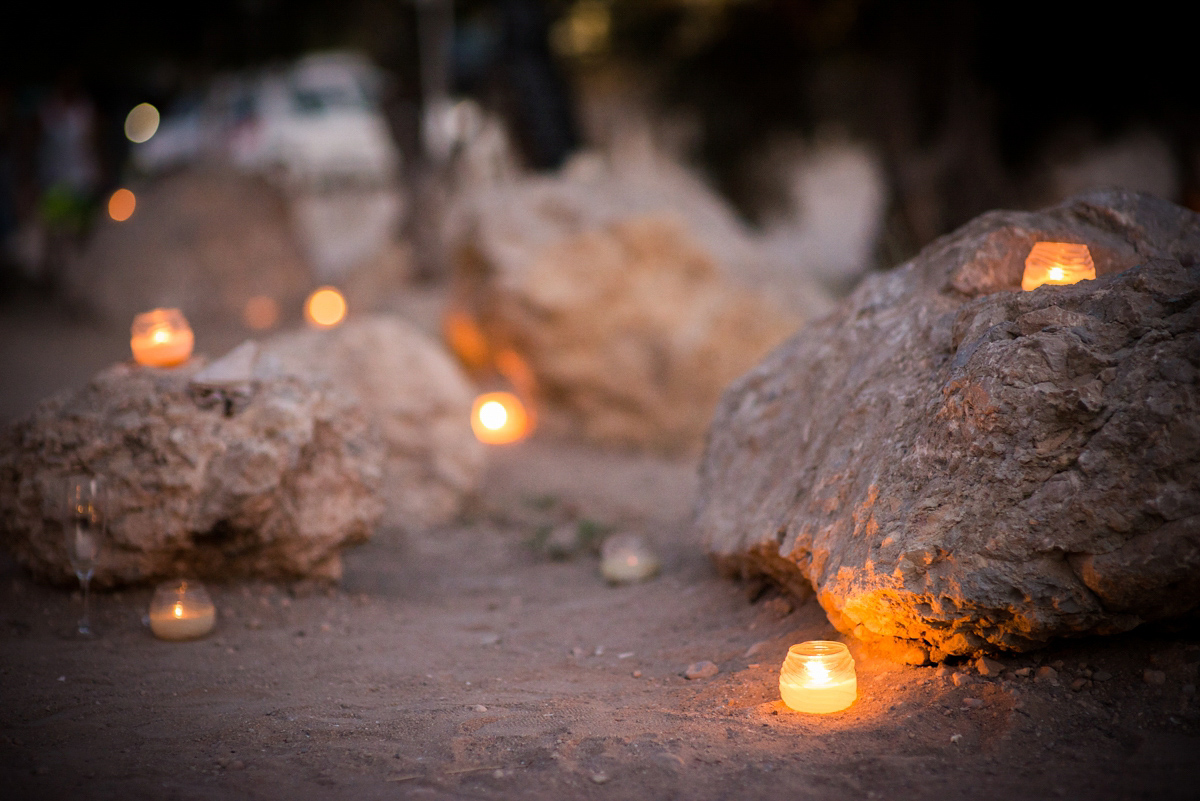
column 818, row 676
column 181, row 610
column 1057, row 263
column 121, row 205
column 141, row 123
column 260, row 312
column 325, row 308
column 499, row 418
column 161, row 338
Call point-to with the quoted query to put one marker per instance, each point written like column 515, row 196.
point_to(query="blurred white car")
column 314, row 122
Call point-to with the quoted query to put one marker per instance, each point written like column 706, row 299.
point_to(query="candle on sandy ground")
column 181, row 610
column 499, row 418
column 1057, row 263
column 161, row 338
column 818, row 676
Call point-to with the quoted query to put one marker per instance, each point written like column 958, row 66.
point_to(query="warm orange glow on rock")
column 325, row 308
column 499, row 418
column 181, row 610
column 260, row 312
column 1057, row 263
column 466, row 339
column 161, row 338
column 818, row 676
column 121, row 205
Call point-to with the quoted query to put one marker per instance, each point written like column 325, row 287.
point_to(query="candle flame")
column 493, row 415
column 178, row 610
column 326, row 307
column 817, row 673
column 161, row 335
column 499, row 418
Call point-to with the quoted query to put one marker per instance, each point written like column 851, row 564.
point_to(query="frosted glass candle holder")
column 818, row 676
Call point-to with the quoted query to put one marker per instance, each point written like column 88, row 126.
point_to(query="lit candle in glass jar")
column 1057, row 263
column 499, row 418
column 818, row 676
column 181, row 610
column 161, row 338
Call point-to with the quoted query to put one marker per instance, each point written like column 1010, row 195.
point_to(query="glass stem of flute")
column 85, row 581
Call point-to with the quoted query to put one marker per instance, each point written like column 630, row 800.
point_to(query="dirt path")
column 461, row 663
column 464, row 663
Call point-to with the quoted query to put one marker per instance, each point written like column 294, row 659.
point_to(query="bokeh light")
column 499, row 418
column 141, row 123
column 325, row 307
column 260, row 312
column 121, row 205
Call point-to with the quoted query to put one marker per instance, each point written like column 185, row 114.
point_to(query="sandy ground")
column 466, row 663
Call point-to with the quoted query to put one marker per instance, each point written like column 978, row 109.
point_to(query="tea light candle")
column 626, row 559
column 499, row 418
column 1057, row 263
column 818, row 676
column 161, row 338
column 181, row 610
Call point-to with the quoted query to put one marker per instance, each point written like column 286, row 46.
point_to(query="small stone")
column 973, row 703
column 956, row 738
column 62, row 678
column 943, row 671
column 1101, row 675
column 1046, row 674
column 637, row 674
column 1022, row 672
column 577, row 652
column 1154, row 676
column 1057, row 664
column 701, row 670
column 1079, row 684
column 988, row 667
column 491, row 638
column 480, row 708
column 599, row 778
column 498, row 774
column 960, row 679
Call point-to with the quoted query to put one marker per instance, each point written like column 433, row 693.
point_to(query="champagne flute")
column 83, row 527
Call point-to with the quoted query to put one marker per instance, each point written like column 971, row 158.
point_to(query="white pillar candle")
column 161, row 338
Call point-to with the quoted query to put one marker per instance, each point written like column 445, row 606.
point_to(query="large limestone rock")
column 958, row 466
column 216, row 472
column 417, row 401
column 632, row 300
column 205, row 241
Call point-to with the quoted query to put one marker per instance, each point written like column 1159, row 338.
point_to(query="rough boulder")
column 957, row 466
column 214, row 471
column 416, row 399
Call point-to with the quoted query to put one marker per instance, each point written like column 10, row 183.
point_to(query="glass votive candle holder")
column 1057, row 263
column 627, row 559
column 818, row 676
column 181, row 610
column 161, row 338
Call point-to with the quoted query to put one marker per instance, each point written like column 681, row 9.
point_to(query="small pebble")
column 637, row 674
column 62, row 678
column 576, row 652
column 480, row 708
column 943, row 671
column 973, row 703
column 1154, row 676
column 701, row 670
column 988, row 667
column 491, row 638
column 1101, row 675
column 1046, row 674
column 956, row 738
column 1079, row 684
column 599, row 778
column 960, row 679
column 1022, row 672
column 498, row 774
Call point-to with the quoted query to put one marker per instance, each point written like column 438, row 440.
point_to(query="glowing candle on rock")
column 161, row 338
column 818, row 676
column 499, row 418
column 1057, row 263
column 181, row 610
